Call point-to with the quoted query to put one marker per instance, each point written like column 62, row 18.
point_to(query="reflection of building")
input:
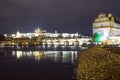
column 61, row 56
column 55, row 56
column 106, row 25
column 37, row 55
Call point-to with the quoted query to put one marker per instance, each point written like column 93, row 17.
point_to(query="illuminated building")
column 38, row 32
column 42, row 32
column 106, row 25
column 42, row 37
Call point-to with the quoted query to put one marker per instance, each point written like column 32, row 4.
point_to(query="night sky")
column 62, row 15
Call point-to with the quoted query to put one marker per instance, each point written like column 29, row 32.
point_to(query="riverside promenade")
column 99, row 63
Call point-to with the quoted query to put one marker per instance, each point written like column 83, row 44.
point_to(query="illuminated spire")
column 38, row 30
column 18, row 34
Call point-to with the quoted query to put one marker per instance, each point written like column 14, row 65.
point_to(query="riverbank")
column 98, row 63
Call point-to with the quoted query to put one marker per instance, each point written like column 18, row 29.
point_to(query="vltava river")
column 37, row 65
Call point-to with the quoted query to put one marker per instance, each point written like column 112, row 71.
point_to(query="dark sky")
column 61, row 15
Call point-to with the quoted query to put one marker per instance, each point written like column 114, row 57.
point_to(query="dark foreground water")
column 37, row 65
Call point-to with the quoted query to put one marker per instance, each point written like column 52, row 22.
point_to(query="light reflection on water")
column 54, row 56
column 37, row 65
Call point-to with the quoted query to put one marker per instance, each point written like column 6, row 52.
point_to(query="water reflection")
column 37, row 55
column 54, row 56
column 37, row 65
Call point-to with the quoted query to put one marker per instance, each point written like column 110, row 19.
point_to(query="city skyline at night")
column 59, row 39
column 63, row 16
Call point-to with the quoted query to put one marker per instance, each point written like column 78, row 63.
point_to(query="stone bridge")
column 66, row 42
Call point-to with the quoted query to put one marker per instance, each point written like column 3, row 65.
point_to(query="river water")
column 37, row 65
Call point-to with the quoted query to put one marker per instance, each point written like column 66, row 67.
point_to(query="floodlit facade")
column 44, row 38
column 41, row 32
column 38, row 32
column 107, row 25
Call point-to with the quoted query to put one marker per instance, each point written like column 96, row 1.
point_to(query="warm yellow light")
column 19, row 54
column 38, row 55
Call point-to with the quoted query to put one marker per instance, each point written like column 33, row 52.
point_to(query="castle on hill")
column 41, row 32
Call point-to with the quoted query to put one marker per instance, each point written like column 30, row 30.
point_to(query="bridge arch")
column 66, row 43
